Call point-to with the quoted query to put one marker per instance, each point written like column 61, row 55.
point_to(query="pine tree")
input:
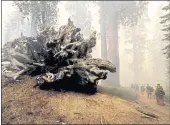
column 166, row 24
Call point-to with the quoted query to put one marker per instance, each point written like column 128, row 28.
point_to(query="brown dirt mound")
column 23, row 104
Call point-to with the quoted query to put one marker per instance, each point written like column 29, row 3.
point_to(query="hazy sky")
column 7, row 8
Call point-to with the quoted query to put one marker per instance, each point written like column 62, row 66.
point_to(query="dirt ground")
column 23, row 104
column 150, row 104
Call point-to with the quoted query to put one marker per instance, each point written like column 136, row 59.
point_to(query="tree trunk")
column 33, row 25
column 135, row 67
column 103, row 31
column 44, row 13
column 113, row 51
column 33, row 20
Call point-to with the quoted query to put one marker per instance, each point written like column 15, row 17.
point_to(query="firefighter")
column 137, row 88
column 149, row 91
column 142, row 89
column 159, row 93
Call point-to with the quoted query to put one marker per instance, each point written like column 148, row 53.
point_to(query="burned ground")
column 23, row 104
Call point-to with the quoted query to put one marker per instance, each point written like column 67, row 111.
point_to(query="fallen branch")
column 147, row 113
column 145, row 116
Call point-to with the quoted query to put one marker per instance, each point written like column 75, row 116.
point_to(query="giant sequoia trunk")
column 33, row 21
column 103, row 31
column 113, row 51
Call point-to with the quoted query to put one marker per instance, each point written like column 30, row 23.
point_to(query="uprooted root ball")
column 62, row 58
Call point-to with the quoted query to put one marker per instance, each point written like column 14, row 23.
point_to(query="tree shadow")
column 74, row 85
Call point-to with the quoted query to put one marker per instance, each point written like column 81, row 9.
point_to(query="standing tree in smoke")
column 103, row 29
column 42, row 13
column 79, row 13
column 66, row 58
column 140, row 43
column 118, row 12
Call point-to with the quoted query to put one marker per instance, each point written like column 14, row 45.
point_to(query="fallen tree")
column 56, row 56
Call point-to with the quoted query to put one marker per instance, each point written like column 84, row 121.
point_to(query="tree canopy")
column 80, row 15
column 44, row 12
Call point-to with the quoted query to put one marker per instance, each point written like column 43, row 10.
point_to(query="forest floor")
column 23, row 104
